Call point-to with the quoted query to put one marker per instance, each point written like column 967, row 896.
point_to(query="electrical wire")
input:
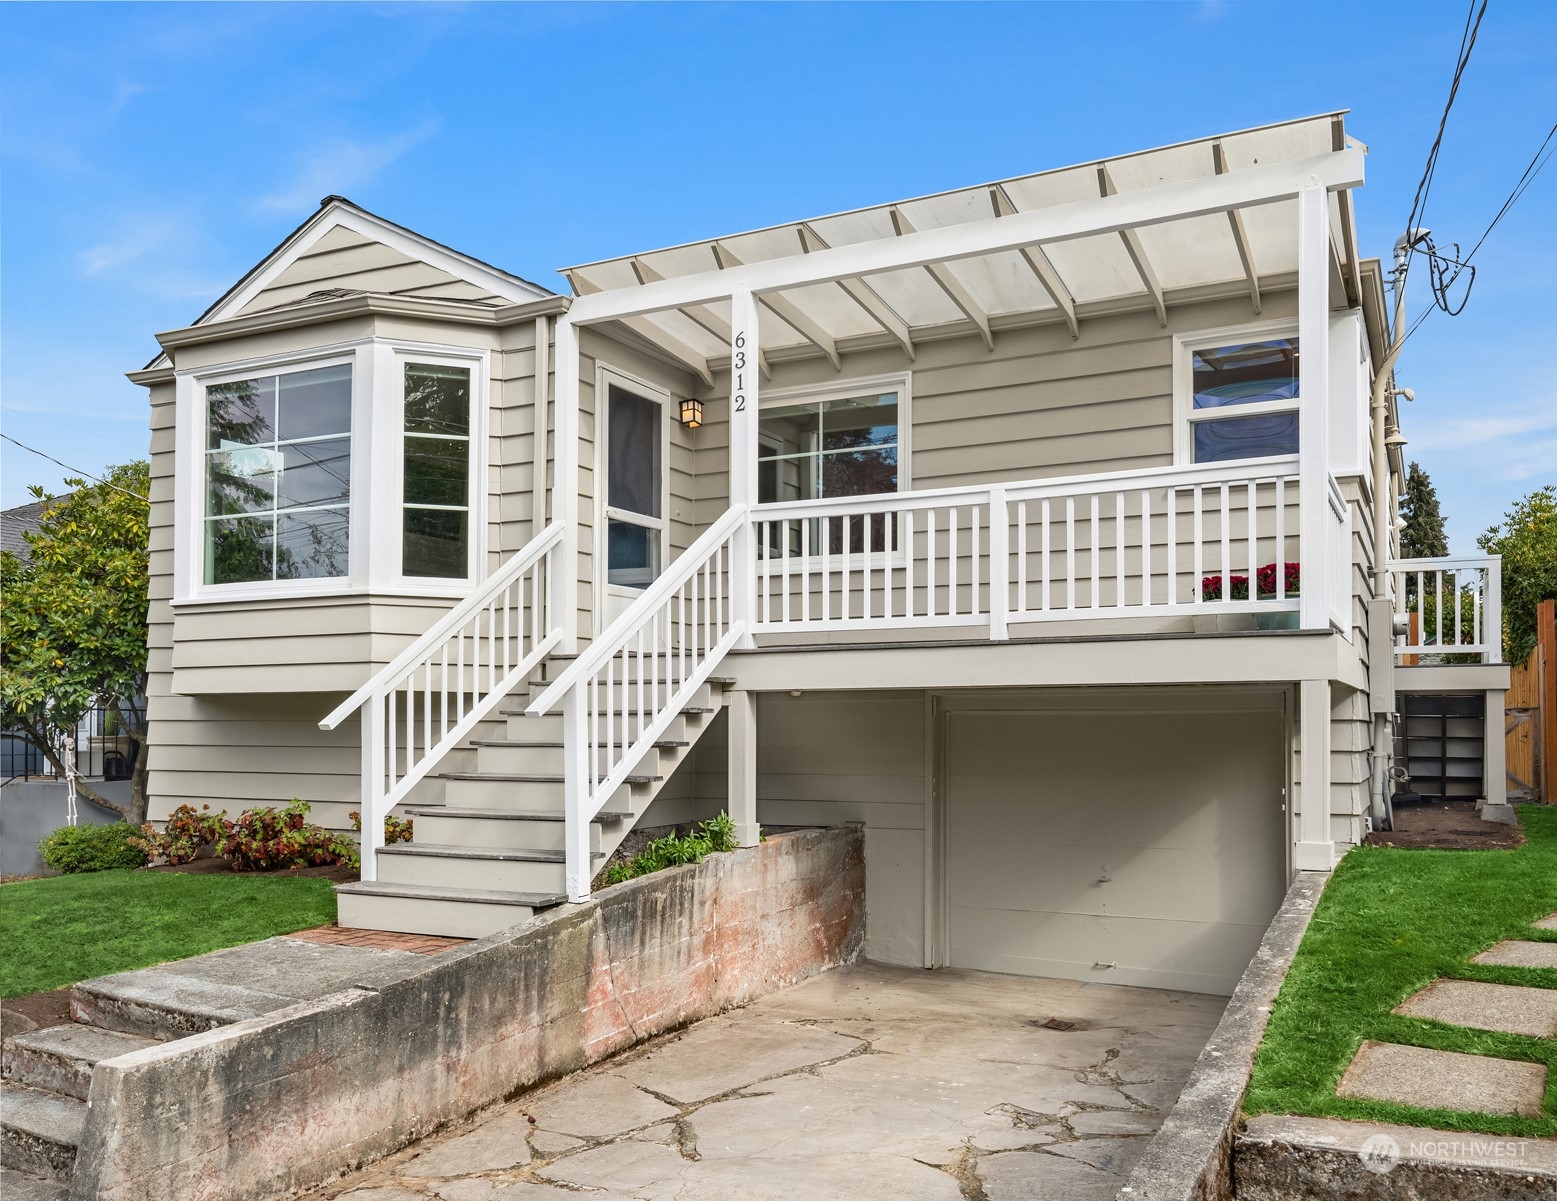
column 1425, row 185
column 74, row 470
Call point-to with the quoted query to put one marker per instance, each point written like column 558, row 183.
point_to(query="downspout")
column 1383, row 657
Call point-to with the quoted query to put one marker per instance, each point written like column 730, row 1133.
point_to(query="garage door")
column 1126, row 848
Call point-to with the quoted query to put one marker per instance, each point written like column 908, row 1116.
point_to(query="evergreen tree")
column 1423, row 536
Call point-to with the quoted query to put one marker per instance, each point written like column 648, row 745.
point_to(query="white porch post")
column 1313, row 405
column 371, row 715
column 1494, row 763
column 743, row 456
column 565, row 484
column 1315, row 851
column 742, row 712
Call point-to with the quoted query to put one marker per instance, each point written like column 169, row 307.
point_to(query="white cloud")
column 337, row 165
column 134, row 239
column 1516, row 442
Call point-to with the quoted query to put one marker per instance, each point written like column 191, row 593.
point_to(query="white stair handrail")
column 450, row 679
column 623, row 692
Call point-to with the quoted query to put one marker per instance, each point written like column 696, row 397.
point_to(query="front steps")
column 491, row 856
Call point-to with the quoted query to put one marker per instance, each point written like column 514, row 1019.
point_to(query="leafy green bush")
column 672, row 850
column 93, row 848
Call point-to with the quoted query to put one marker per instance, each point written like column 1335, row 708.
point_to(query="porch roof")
column 1149, row 266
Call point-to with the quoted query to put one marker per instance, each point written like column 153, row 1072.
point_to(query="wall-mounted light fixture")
column 691, row 413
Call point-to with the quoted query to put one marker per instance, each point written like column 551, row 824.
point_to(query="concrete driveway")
column 866, row 1082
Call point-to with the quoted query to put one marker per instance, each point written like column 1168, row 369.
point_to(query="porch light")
column 1395, row 439
column 691, row 413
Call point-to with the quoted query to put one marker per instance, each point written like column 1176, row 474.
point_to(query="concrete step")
column 60, row 1058
column 445, row 866
column 707, row 694
column 504, row 829
column 39, row 1131
column 14, row 1186
column 429, row 909
column 506, row 757
column 527, row 793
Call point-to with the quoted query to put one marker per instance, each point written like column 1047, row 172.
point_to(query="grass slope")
column 1390, row 922
column 57, row 931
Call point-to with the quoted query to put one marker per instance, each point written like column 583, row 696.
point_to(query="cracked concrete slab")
column 1519, row 953
column 867, row 1082
column 1432, row 1079
column 1511, row 1008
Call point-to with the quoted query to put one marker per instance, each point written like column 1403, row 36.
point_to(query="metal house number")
column 738, row 367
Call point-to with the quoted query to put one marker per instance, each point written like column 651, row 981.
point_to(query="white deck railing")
column 430, row 697
column 1163, row 541
column 1451, row 610
column 622, row 693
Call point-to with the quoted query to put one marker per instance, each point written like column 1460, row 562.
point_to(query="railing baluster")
column 1070, row 554
column 1281, row 539
column 1226, row 526
column 1438, row 608
column 1198, row 536
column 1044, row 550
column 1021, row 556
column 951, row 553
column 1172, row 518
column 974, row 558
column 1119, row 539
column 931, row 571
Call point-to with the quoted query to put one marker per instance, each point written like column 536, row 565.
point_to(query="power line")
column 1538, row 160
column 1425, row 185
column 74, row 470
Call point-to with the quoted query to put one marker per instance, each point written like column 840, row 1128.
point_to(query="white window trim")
column 842, row 390
column 605, row 376
column 377, row 459
column 1185, row 415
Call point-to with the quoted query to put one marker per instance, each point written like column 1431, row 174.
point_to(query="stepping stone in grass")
column 1510, row 1008
column 1515, row 953
column 1547, row 923
column 1444, row 1080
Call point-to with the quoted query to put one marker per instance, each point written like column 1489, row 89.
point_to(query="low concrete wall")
column 30, row 810
column 285, row 1102
column 1190, row 1158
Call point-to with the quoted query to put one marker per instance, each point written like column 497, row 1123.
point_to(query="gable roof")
column 405, row 261
column 23, row 519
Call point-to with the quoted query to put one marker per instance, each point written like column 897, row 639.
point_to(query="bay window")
column 278, row 476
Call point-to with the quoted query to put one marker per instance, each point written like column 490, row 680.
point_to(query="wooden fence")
column 1530, row 716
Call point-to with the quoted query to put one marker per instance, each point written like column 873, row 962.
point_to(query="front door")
column 635, row 501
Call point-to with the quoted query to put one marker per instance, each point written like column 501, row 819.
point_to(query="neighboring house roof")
column 21, row 520
column 336, row 213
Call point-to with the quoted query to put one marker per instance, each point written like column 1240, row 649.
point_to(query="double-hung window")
column 277, row 487
column 1242, row 397
column 435, row 506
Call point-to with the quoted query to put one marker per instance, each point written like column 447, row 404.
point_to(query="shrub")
column 395, row 829
column 93, row 848
column 184, row 835
column 264, row 840
column 672, row 850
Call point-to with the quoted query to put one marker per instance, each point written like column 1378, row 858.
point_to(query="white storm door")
column 633, row 466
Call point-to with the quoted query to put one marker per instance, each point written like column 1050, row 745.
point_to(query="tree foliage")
column 1527, row 540
column 1423, row 536
column 73, row 619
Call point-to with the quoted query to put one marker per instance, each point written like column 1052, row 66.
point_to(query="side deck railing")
column 432, row 695
column 1450, row 609
column 622, row 693
column 1218, row 538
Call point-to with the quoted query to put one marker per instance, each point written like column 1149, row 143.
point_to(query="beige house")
column 1039, row 526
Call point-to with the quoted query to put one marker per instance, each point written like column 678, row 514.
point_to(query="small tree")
column 73, row 621
column 1423, row 535
column 1527, row 540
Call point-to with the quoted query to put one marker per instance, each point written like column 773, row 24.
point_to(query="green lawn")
column 1390, row 922
column 57, row 931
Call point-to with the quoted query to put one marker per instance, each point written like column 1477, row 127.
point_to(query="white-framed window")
column 437, row 457
column 1236, row 393
column 830, row 443
column 348, row 469
column 277, row 478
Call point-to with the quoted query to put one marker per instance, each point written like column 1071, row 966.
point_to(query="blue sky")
column 150, row 154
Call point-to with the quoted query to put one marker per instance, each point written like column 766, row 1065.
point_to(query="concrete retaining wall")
column 285, row 1102
column 1190, row 1158
column 30, row 810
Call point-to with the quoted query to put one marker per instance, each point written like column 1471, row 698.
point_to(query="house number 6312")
column 738, row 368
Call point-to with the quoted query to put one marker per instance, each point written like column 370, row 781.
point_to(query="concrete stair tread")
column 605, row 815
column 506, row 777
column 42, row 1116
column 435, row 892
column 446, row 851
column 88, row 1044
